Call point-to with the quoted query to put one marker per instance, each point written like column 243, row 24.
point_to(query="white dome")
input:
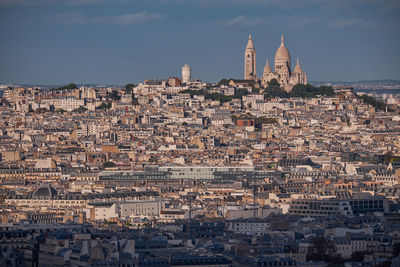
column 282, row 53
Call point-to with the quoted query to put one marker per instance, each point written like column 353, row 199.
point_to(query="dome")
column 297, row 68
column 44, row 192
column 282, row 54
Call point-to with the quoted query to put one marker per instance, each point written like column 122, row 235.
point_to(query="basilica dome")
column 44, row 192
column 282, row 53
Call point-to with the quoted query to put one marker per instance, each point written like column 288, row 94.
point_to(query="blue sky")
column 121, row 41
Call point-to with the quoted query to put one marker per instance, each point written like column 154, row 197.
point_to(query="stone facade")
column 250, row 61
column 283, row 73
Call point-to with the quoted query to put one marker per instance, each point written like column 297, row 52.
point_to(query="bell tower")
column 250, row 61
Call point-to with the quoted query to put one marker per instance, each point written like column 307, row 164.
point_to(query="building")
column 283, row 73
column 335, row 206
column 186, row 72
column 249, row 227
column 250, row 70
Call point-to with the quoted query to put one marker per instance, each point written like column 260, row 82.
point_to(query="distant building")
column 174, row 81
column 186, row 72
column 250, row 61
column 335, row 206
column 283, row 73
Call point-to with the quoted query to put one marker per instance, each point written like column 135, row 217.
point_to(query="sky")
column 125, row 41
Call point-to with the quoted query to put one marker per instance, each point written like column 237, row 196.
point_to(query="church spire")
column 250, row 44
column 267, row 68
column 282, row 40
column 250, row 60
column 297, row 68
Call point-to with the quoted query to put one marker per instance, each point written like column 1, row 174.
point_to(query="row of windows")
column 313, row 212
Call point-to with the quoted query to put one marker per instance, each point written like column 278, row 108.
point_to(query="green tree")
column 264, row 120
column 378, row 105
column 61, row 111
column 114, row 95
column 387, row 157
column 108, row 164
column 396, row 250
column 310, row 91
column 322, row 249
column 41, row 110
column 223, row 82
column 129, row 88
column 241, row 92
column 274, row 89
column 69, row 86
column 358, row 256
column 104, row 105
column 81, row 109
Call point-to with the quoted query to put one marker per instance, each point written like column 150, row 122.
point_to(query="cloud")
column 71, row 18
column 353, row 22
column 306, row 21
column 23, row 3
column 243, row 21
column 140, row 17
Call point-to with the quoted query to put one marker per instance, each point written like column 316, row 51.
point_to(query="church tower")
column 250, row 61
column 282, row 62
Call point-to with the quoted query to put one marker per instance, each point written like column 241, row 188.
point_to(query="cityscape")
column 269, row 168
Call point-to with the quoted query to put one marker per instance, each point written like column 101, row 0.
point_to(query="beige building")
column 186, row 73
column 283, row 72
column 250, row 70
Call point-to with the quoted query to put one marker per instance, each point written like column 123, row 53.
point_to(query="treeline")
column 67, row 87
column 379, row 105
column 216, row 96
column 300, row 90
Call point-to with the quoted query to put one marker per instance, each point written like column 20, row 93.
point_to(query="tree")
column 104, row 105
column 129, row 88
column 69, row 86
column 273, row 83
column 264, row 120
column 396, row 250
column 114, row 95
column 322, row 249
column 61, row 110
column 387, row 157
column 81, row 109
column 108, row 164
column 378, row 105
column 241, row 92
column 308, row 90
column 41, row 110
column 358, row 256
column 223, row 82
column 274, row 89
